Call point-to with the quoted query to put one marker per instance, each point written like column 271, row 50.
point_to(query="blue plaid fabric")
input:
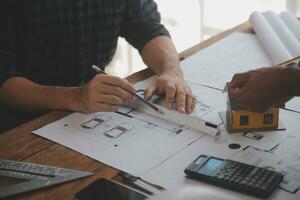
column 54, row 42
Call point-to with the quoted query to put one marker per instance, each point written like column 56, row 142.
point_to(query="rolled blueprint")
column 269, row 39
column 283, row 32
column 292, row 22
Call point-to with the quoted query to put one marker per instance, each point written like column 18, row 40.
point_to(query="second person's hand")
column 260, row 89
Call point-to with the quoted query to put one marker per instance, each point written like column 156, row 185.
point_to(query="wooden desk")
column 21, row 145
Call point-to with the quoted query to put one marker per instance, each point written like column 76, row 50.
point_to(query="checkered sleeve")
column 8, row 40
column 141, row 23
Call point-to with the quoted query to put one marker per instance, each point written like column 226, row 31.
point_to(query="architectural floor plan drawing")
column 127, row 139
column 203, row 112
column 277, row 150
column 95, row 121
column 207, row 66
column 158, row 150
column 288, row 165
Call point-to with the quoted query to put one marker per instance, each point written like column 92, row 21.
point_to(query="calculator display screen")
column 210, row 166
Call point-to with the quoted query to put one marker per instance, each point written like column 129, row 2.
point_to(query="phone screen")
column 104, row 189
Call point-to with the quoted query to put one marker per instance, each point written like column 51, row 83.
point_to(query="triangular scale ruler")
column 34, row 176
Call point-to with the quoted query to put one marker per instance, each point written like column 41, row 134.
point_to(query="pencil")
column 140, row 99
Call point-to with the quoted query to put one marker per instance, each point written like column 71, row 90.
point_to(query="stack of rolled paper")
column 278, row 33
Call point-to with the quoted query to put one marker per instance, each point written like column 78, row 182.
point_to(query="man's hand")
column 260, row 89
column 160, row 55
column 104, row 93
column 175, row 89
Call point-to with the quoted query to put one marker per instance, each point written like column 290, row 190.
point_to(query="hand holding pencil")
column 137, row 97
column 104, row 93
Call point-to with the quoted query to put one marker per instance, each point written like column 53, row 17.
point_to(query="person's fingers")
column 239, row 80
column 194, row 103
column 263, row 105
column 235, row 93
column 189, row 102
column 240, row 97
column 116, row 81
column 281, row 101
column 114, row 90
column 170, row 95
column 150, row 91
column 180, row 99
column 109, row 99
column 258, row 107
column 103, row 102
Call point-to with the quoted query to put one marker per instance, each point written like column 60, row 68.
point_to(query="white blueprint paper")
column 159, row 151
column 293, row 104
column 285, row 148
column 283, row 32
column 286, row 162
column 214, row 66
column 268, row 37
column 203, row 112
column 292, row 22
column 278, row 34
column 128, row 140
column 125, row 143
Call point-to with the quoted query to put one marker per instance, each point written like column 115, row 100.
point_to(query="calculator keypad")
column 245, row 175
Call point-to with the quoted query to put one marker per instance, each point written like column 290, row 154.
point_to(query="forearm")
column 160, row 55
column 292, row 78
column 23, row 94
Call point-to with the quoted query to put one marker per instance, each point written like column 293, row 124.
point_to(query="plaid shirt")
column 54, row 42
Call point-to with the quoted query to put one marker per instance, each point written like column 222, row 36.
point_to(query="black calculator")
column 234, row 175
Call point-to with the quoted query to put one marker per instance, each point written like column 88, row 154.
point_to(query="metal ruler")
column 34, row 176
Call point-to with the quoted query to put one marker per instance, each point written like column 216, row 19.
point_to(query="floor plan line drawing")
column 176, row 129
column 276, row 147
column 287, row 165
column 96, row 121
column 174, row 154
column 119, row 130
column 172, row 146
column 256, row 136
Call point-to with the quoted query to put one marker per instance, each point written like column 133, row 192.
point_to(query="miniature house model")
column 241, row 120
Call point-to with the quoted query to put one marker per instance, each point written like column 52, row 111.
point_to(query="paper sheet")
column 293, row 104
column 122, row 142
column 286, row 162
column 292, row 22
column 214, row 66
column 283, row 32
column 170, row 174
column 279, row 34
column 159, row 151
column 267, row 36
column 128, row 140
column 197, row 120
